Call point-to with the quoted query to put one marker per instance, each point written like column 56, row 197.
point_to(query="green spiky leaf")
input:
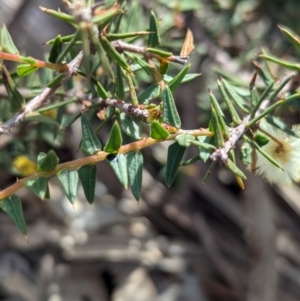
column 55, row 50
column 69, row 181
column 176, row 81
column 170, row 114
column 16, row 100
column 135, row 163
column 115, row 139
column 6, row 42
column 47, row 162
column 88, row 175
column 13, row 207
column 153, row 39
column 89, row 143
column 39, row 187
column 175, row 155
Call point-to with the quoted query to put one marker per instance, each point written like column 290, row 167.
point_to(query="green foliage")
column 89, row 143
column 13, row 207
column 6, row 42
column 125, row 94
column 47, row 162
column 87, row 175
column 69, row 181
column 135, row 172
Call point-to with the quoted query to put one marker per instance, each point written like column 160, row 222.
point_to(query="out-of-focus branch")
column 42, row 98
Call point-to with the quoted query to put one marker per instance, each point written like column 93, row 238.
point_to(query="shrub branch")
column 42, row 98
column 98, row 157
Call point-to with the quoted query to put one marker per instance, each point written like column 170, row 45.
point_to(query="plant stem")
column 98, row 157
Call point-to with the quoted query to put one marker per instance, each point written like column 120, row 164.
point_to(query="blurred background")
column 194, row 242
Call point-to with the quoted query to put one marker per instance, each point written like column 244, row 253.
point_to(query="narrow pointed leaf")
column 291, row 36
column 13, row 207
column 283, row 63
column 261, row 99
column 103, row 17
column 135, row 163
column 175, row 82
column 254, row 97
column 89, row 143
column 55, row 50
column 101, row 91
column 103, row 57
column 47, row 162
column 38, row 186
column 187, row 77
column 175, row 155
column 170, row 114
column 233, row 168
column 56, row 81
column 235, row 97
column 265, row 76
column 157, row 131
column 115, row 139
column 59, row 15
column 271, row 108
column 149, row 94
column 133, row 96
column 87, row 175
column 279, row 88
column 119, row 166
column 17, row 101
column 219, row 140
column 122, row 162
column 145, row 66
column 69, row 181
column 232, row 111
column 114, row 54
column 237, row 177
column 26, row 69
column 120, row 92
column 219, row 114
column 120, row 36
column 153, row 39
column 6, row 42
column 161, row 53
column 259, row 149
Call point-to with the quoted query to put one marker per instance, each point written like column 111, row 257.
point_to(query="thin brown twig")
column 42, row 98
column 98, row 157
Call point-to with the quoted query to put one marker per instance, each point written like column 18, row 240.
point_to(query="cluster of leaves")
column 112, row 72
